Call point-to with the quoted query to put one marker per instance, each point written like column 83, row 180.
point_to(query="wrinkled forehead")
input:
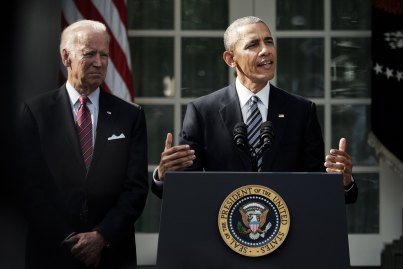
column 254, row 31
column 91, row 39
column 85, row 36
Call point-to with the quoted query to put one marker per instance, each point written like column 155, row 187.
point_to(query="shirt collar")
column 74, row 95
column 244, row 94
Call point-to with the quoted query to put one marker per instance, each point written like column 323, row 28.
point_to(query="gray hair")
column 72, row 33
column 231, row 34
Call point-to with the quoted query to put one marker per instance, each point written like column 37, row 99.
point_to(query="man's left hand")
column 340, row 161
column 88, row 247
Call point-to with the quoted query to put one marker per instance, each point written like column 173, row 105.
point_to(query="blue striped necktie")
column 253, row 122
column 84, row 129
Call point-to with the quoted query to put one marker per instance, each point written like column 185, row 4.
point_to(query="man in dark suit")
column 83, row 193
column 206, row 140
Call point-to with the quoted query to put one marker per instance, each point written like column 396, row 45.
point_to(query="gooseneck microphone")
column 240, row 138
column 266, row 135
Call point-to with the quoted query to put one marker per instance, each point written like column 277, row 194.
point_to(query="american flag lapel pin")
column 281, row 115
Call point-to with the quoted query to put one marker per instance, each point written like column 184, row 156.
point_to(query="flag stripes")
column 114, row 15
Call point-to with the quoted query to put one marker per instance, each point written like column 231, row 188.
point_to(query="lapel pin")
column 110, row 113
column 281, row 115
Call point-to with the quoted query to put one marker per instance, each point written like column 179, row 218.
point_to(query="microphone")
column 266, row 135
column 240, row 136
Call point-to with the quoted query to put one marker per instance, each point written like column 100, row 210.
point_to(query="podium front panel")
column 190, row 238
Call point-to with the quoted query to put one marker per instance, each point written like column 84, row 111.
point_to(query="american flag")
column 113, row 13
column 387, row 82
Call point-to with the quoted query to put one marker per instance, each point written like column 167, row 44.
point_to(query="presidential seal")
column 253, row 220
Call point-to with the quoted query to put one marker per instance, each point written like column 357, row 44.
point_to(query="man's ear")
column 228, row 57
column 66, row 58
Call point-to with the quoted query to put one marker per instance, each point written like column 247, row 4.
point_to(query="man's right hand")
column 174, row 158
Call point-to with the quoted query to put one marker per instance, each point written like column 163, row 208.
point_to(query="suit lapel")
column 277, row 114
column 64, row 122
column 107, row 114
column 231, row 114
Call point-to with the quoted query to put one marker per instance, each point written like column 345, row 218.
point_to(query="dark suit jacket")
column 62, row 198
column 298, row 143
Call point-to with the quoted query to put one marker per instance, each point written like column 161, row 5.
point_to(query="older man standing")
column 84, row 155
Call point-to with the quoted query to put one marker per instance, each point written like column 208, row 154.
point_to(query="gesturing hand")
column 174, row 158
column 340, row 161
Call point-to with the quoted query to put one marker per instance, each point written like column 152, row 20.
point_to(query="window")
column 177, row 56
column 174, row 59
column 327, row 59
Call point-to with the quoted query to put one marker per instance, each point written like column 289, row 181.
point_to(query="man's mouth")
column 265, row 62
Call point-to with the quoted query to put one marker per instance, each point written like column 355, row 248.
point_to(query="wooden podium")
column 190, row 237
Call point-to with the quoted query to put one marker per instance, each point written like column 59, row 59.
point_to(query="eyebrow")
column 268, row 38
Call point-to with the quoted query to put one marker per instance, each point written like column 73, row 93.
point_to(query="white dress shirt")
column 245, row 94
column 93, row 106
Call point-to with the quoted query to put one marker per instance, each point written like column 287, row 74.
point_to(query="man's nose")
column 264, row 49
column 97, row 60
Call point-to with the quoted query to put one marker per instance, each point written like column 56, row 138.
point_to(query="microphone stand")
column 242, row 143
column 253, row 158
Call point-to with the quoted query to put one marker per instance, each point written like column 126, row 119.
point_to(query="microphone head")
column 240, row 135
column 266, row 134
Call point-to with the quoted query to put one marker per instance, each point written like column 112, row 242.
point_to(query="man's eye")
column 251, row 45
column 89, row 54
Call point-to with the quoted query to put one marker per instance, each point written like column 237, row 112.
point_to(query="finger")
column 331, row 170
column 337, row 157
column 342, row 144
column 175, row 149
column 335, row 166
column 177, row 155
column 76, row 250
column 182, row 162
column 181, row 166
column 72, row 240
column 168, row 141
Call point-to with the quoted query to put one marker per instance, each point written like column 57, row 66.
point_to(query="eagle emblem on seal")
column 254, row 217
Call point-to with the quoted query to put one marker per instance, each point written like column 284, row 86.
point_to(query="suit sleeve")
column 131, row 200
column 192, row 134
column 38, row 192
column 314, row 148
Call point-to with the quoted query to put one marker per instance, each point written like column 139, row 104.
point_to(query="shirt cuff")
column 349, row 187
column 156, row 179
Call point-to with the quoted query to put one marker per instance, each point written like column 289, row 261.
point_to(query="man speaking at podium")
column 251, row 125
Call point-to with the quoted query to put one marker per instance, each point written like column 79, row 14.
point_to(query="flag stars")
column 378, row 68
column 389, row 73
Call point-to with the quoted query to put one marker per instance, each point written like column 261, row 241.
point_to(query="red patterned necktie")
column 84, row 129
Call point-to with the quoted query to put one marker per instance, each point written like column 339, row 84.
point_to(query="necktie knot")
column 83, row 100
column 254, row 99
